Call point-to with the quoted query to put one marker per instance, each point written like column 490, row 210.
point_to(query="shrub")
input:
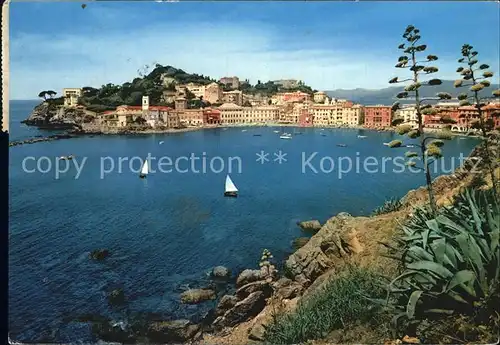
column 390, row 205
column 342, row 300
column 450, row 262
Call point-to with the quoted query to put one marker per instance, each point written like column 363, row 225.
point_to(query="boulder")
column 242, row 311
column 113, row 332
column 337, row 238
column 225, row 303
column 310, row 225
column 260, row 285
column 221, row 272
column 99, row 254
column 166, row 332
column 194, row 296
column 290, row 291
column 257, row 332
column 116, row 297
column 282, row 282
column 248, row 276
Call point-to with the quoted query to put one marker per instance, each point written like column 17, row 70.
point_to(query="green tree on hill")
column 477, row 78
column 429, row 152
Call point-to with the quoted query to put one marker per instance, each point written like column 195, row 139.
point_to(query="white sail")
column 145, row 168
column 230, row 187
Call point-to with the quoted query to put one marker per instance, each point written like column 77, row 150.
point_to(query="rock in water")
column 310, row 225
column 50, row 115
column 194, row 296
column 167, row 332
column 221, row 272
column 248, row 276
column 116, row 297
column 99, row 254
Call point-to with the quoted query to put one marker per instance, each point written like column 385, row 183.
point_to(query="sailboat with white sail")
column 231, row 189
column 144, row 170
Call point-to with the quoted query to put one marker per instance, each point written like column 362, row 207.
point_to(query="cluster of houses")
column 233, row 107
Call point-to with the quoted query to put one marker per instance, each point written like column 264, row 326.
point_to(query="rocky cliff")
column 345, row 240
column 52, row 116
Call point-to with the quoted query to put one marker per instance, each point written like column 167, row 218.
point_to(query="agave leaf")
column 474, row 212
column 425, row 238
column 439, row 247
column 432, row 267
column 457, row 297
column 412, row 303
column 460, row 278
column 396, row 318
column 403, row 275
column 420, row 253
column 493, row 224
column 448, row 223
column 439, row 311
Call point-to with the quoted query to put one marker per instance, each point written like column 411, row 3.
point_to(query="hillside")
column 160, row 79
column 386, row 95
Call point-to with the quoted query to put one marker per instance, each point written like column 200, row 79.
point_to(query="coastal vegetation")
column 391, row 205
column 341, row 301
column 449, row 263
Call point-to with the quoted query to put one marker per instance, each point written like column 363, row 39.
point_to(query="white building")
column 71, row 96
column 408, row 114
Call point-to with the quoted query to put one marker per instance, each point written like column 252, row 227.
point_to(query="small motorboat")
column 341, row 145
column 257, row 135
column 409, row 145
column 243, row 130
column 286, row 136
column 276, row 131
column 66, row 158
column 323, row 134
column 161, row 142
column 361, row 136
column 386, row 144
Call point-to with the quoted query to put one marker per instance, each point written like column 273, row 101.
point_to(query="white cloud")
column 247, row 51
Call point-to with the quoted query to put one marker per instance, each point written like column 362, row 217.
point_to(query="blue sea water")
column 167, row 231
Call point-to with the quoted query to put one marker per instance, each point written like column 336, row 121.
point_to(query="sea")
column 166, row 232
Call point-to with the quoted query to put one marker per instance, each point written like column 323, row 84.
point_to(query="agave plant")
column 450, row 262
column 390, row 205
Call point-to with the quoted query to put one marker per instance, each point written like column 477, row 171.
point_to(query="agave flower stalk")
column 418, row 68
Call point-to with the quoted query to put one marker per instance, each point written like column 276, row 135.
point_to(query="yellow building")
column 71, row 96
column 261, row 114
column 231, row 113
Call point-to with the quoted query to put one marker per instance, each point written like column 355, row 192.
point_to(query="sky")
column 328, row 45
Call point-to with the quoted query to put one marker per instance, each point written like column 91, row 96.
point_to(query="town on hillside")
column 230, row 102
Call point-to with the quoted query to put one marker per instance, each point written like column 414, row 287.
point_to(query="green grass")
column 343, row 300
